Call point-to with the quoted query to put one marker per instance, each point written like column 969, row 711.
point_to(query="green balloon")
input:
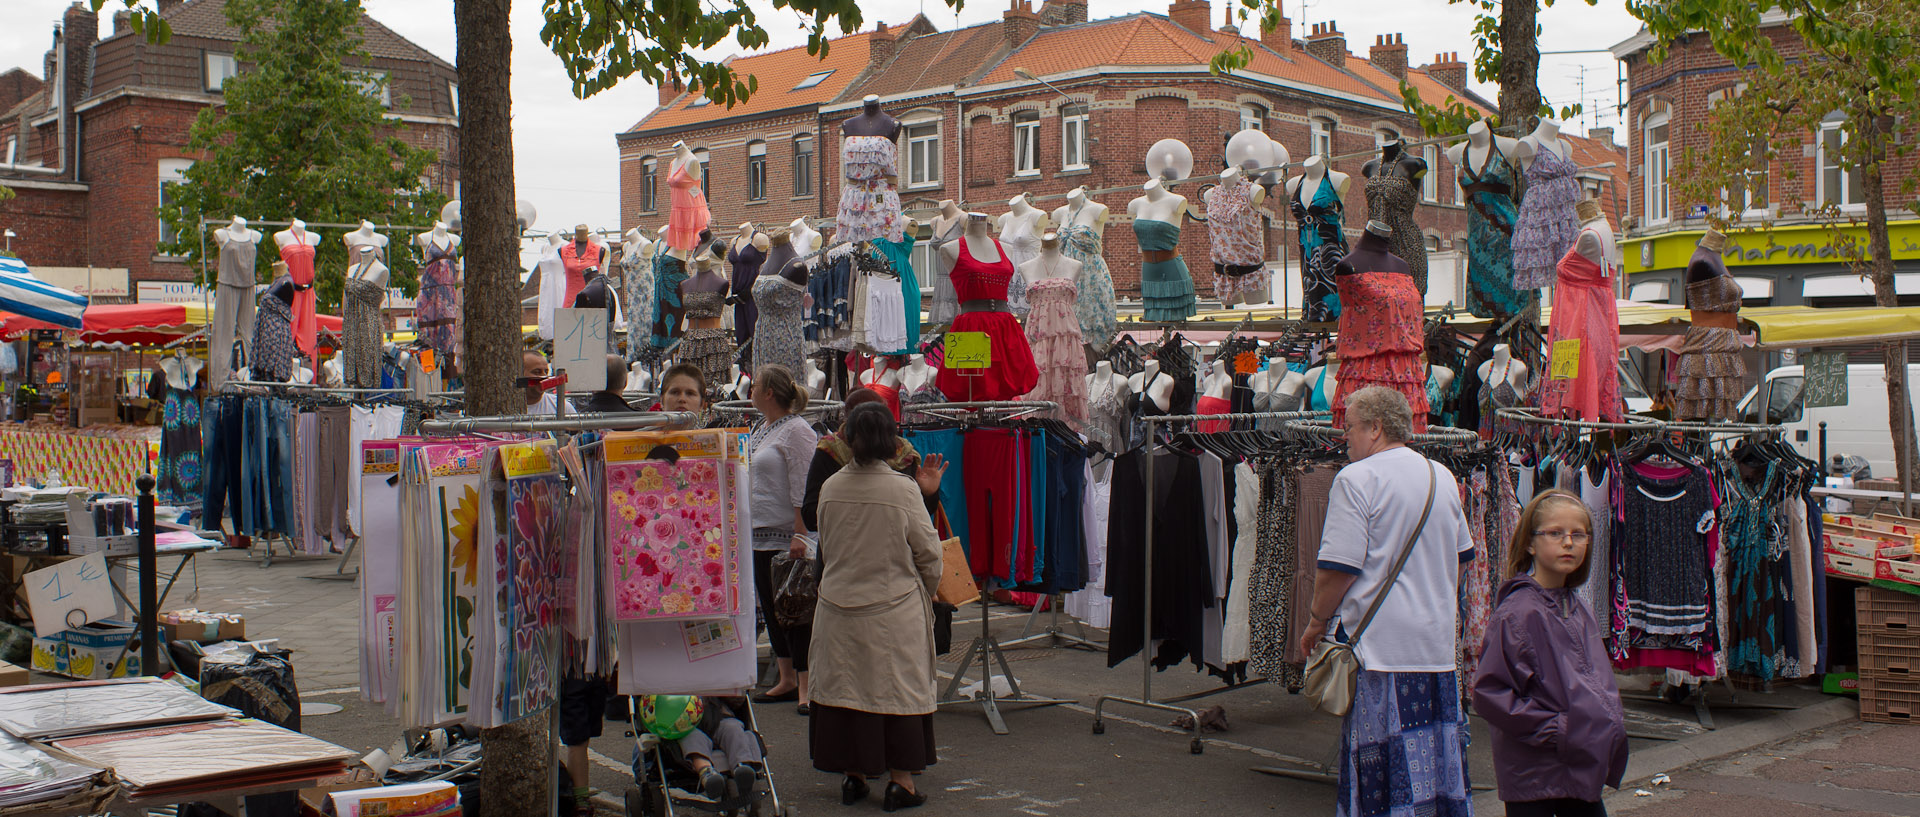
column 671, row 717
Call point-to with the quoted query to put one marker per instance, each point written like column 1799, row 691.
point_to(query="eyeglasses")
column 1578, row 537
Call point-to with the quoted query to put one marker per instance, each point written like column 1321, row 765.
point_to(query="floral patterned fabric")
column 1381, row 341
column 1547, row 225
column 1054, row 334
column 1233, row 225
column 1403, row 748
column 777, row 337
column 1490, row 216
column 439, row 304
column 1322, row 244
column 869, row 206
column 668, row 556
column 1094, row 307
column 272, row 340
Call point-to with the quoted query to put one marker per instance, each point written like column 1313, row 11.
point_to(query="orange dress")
column 1381, row 341
column 306, row 323
column 689, row 216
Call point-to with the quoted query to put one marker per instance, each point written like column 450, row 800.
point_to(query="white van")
column 1858, row 428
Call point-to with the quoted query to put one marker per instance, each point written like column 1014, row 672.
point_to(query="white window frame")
column 1849, row 179
column 1320, row 136
column 1253, row 117
column 705, row 157
column 1655, row 165
column 923, row 134
column 803, row 164
column 813, row 79
column 649, row 184
column 369, row 79
column 1430, row 183
column 168, row 172
column 216, row 69
column 453, row 94
column 1026, row 143
column 13, row 150
column 757, row 170
column 1073, row 137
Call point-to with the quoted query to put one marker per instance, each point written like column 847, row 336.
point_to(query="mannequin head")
column 580, row 234
column 1713, row 241
column 239, row 224
column 870, row 103
column 1478, row 132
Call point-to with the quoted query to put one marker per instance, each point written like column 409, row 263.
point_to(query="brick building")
column 975, row 131
column 91, row 144
column 1780, row 255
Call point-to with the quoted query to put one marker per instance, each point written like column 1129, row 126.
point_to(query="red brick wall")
column 727, row 166
column 49, row 226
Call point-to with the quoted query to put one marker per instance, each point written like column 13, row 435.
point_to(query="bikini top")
column 1320, row 402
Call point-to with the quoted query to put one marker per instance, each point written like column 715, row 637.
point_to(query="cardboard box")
column 88, row 653
column 1897, row 570
column 1840, row 564
column 1869, row 547
column 12, row 675
column 201, row 627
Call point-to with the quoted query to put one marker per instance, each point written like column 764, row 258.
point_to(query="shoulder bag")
column 1334, row 668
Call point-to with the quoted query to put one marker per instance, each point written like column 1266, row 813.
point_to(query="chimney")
column 1280, row 37
column 169, row 5
column 670, row 89
column 1448, row 70
column 1063, row 12
column 51, row 65
column 1389, row 54
column 80, row 27
column 1603, row 136
column 122, row 21
column 1019, row 23
column 1327, row 43
column 880, row 46
column 1193, row 15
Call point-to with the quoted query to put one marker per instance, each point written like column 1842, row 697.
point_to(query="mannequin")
column 578, row 255
column 1545, row 136
column 366, row 291
column 916, row 377
column 738, row 385
column 871, row 121
column 978, row 243
column 816, row 380
column 439, row 303
column 1278, row 388
column 1108, row 414
column 1546, row 226
column 1381, row 324
column 1083, row 227
column 1393, row 188
column 869, row 160
column 239, row 251
column 1216, row 393
column 1165, row 285
column 1155, row 385
column 1584, row 309
column 1050, row 263
column 1504, row 369
column 639, row 377
column 780, row 297
column 689, row 216
column 703, row 297
column 884, row 379
column 365, row 237
column 1489, row 179
column 746, row 253
column 1323, row 382
column 1219, row 382
column 1237, row 241
column 298, row 248
column 1020, row 228
column 1082, row 210
column 271, row 353
column 1105, row 381
column 947, row 225
column 1710, row 372
column 1053, row 330
column 636, row 294
column 981, row 271
column 553, row 282
column 1316, row 198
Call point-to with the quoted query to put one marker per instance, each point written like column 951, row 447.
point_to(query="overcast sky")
column 566, row 163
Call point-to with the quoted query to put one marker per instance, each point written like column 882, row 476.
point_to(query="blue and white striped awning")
column 30, row 297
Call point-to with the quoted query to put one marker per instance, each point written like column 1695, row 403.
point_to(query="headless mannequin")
column 685, row 160
column 950, row 214
column 1232, row 175
column 1023, row 212
column 638, row 378
column 1324, row 389
column 1159, row 205
column 1279, row 381
column 636, row 244
column 1596, row 242
column 1545, row 136
column 585, row 247
column 805, row 240
column 1441, row 376
column 1153, row 384
column 365, row 237
column 1503, row 367
column 331, row 375
column 1371, row 253
column 1707, row 261
column 706, row 278
column 282, row 288
column 1082, row 211
column 871, row 121
column 816, row 379
column 1105, row 381
column 750, row 235
column 1219, row 382
column 1478, row 149
column 1050, row 264
column 438, row 237
column 1395, row 159
column 237, row 230
column 737, row 384
column 917, row 375
column 296, row 234
column 883, row 372
column 301, row 374
column 181, row 370
column 367, row 266
column 1314, row 171
column 239, row 250
column 978, row 244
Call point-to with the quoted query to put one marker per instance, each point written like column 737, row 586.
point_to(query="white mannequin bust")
column 1023, row 211
column 1219, row 382
column 637, row 245
column 1596, row 242
column 302, row 375
column 1545, row 136
column 685, row 159
column 1327, row 389
column 437, row 237
column 978, row 243
column 751, row 235
column 737, row 384
column 1442, row 377
column 1478, row 149
column 816, row 380
column 1050, row 264
column 296, row 234
column 1280, row 381
column 1082, row 210
column 1159, row 204
column 883, row 373
column 950, row 214
column 1313, row 171
column 638, row 378
column 1104, row 381
column 364, row 237
column 236, row 231
column 332, row 372
column 367, row 266
column 1502, row 366
column 916, row 375
column 181, row 370
column 805, row 239
column 1233, row 175
column 1155, row 384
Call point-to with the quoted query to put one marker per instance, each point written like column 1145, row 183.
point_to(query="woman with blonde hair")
column 778, row 454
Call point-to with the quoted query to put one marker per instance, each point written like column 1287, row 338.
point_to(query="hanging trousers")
column 332, row 468
column 232, row 319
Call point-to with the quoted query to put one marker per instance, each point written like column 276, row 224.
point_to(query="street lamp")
column 9, row 239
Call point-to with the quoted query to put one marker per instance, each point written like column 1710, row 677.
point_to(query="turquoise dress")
column 1491, row 214
column 1322, row 245
column 1166, row 288
column 900, row 255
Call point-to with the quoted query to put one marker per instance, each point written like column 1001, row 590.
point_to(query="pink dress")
column 1381, row 325
column 689, row 215
column 577, row 265
column 306, row 323
column 1053, row 331
column 1583, row 308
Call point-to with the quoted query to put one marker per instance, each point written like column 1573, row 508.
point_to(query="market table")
column 108, row 459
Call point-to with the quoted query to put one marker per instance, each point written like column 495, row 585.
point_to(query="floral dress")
column 1237, row 244
column 777, row 336
column 869, row 206
column 1094, row 307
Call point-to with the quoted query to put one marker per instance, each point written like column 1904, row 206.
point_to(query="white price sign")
column 70, row 595
column 580, row 348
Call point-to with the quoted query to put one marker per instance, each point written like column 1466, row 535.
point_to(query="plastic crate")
column 1890, row 657
column 1889, row 701
column 1885, row 611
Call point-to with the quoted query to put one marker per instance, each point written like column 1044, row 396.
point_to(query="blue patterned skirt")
column 1403, row 749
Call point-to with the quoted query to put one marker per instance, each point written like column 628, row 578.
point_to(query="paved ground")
column 1852, row 769
column 1052, row 764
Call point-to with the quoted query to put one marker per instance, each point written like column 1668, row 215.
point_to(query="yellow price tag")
column 968, row 350
column 527, row 459
column 1566, row 359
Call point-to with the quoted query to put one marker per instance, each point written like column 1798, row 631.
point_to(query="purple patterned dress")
column 1547, row 226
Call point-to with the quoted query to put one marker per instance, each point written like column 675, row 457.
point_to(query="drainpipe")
column 60, row 76
column 960, row 159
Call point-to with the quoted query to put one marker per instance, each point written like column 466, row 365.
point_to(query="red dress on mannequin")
column 1011, row 371
column 577, row 265
column 306, row 326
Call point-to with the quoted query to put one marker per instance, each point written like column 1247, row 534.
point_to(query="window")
column 702, row 156
column 649, row 183
column 375, row 84
column 1749, row 191
column 1838, row 183
column 923, row 154
column 756, row 171
column 813, row 79
column 1073, row 137
column 700, row 102
column 1657, row 292
column 1026, row 143
column 172, row 172
column 1591, row 187
column 220, row 68
column 1383, row 137
column 1655, row 166
column 13, row 150
column 1322, row 134
column 453, row 93
column 1253, row 117
column 803, row 165
column 1430, row 183
column 923, row 259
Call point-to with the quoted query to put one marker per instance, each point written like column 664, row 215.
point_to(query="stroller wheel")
column 636, row 806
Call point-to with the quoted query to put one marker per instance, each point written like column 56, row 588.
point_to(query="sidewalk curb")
column 1674, row 755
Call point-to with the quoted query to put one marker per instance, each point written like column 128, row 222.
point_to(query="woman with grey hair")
column 1406, row 696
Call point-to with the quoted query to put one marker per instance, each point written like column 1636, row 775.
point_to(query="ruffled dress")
column 1237, row 245
column 1710, row 373
column 1381, row 341
column 1547, row 225
column 869, row 206
column 1583, row 308
column 1053, row 332
column 710, row 349
column 689, row 216
column 1010, row 371
column 1099, row 320
column 1166, row 288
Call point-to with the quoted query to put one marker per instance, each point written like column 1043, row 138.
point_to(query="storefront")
column 1788, row 265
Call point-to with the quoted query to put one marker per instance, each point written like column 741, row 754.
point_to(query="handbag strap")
column 1400, row 562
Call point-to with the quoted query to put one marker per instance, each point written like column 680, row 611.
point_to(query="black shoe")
column 766, row 698
column 853, row 791
column 743, row 780
column 898, row 798
column 805, row 710
column 713, row 784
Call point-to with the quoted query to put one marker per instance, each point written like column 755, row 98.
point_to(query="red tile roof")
column 934, row 61
column 778, row 72
column 1592, row 152
column 208, row 19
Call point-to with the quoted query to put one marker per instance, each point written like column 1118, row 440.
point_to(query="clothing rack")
column 592, row 421
column 745, row 408
column 1146, row 699
column 1443, row 435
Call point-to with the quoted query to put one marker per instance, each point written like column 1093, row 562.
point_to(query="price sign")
column 968, row 350
column 580, row 347
column 1826, row 379
column 70, row 594
column 1566, row 359
column 428, row 362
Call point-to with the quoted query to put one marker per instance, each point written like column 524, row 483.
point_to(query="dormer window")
column 813, row 79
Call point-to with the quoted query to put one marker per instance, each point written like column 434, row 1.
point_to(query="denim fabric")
column 222, row 433
column 266, row 475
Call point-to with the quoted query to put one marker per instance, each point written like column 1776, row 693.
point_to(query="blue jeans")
column 266, row 473
column 221, row 432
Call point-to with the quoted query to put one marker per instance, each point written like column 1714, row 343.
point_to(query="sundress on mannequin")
column 1390, row 198
column 1011, row 371
column 361, row 358
column 638, row 280
column 777, row 337
column 689, row 216
column 1547, row 225
column 1095, row 308
column 1583, row 308
column 1322, row 244
column 306, row 323
column 869, row 206
column 439, row 304
column 1490, row 217
column 1053, row 332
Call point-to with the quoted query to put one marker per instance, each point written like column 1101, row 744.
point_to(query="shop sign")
column 93, row 282
column 397, row 299
column 1826, row 379
column 1802, row 244
column 169, row 292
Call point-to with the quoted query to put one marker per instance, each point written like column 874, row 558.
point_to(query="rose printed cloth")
column 668, row 553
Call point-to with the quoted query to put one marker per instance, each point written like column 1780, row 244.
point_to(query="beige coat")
column 873, row 630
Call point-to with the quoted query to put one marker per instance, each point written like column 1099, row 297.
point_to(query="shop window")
column 701, row 154
column 220, row 68
column 1839, row 182
column 923, row 154
column 1657, row 164
column 649, row 183
column 1026, row 143
column 1073, row 137
column 756, row 170
column 803, row 165
column 172, row 172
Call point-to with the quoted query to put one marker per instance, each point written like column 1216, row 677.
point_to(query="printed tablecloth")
column 109, row 460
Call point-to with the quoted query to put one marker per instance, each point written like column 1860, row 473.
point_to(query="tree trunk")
column 1880, row 253
column 518, row 771
column 1519, row 65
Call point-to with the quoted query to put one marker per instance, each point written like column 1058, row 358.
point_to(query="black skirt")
column 849, row 741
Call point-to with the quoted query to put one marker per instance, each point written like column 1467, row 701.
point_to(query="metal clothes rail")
column 571, row 422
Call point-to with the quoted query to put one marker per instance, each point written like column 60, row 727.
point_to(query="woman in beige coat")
column 872, row 657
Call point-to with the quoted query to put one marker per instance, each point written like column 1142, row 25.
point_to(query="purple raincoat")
column 1546, row 687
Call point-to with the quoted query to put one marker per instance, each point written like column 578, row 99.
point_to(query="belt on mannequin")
column 1716, row 320
column 1158, row 256
column 986, row 305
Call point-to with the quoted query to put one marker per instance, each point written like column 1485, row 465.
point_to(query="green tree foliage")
column 303, row 134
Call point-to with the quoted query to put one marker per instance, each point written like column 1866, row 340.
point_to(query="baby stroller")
column 665, row 781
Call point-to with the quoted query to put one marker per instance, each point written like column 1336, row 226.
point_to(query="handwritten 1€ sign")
column 70, row 594
column 968, row 350
column 1566, row 359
